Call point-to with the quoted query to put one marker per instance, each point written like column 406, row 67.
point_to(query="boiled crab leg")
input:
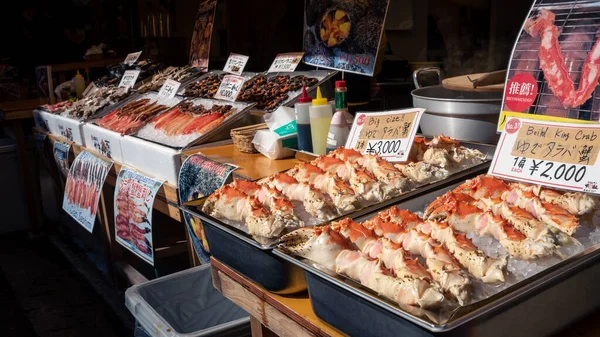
column 422, row 172
column 280, row 206
column 460, row 211
column 341, row 194
column 576, row 203
column 313, row 200
column 443, row 267
column 328, row 248
column 233, row 204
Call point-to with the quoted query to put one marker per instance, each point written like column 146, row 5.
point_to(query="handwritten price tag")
column 169, row 89
column 230, row 87
column 235, row 64
column 389, row 134
column 562, row 155
column 129, row 78
column 285, row 62
column 131, row 58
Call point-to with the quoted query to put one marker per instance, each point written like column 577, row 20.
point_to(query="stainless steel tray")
column 246, row 74
column 267, row 244
column 321, row 75
column 478, row 310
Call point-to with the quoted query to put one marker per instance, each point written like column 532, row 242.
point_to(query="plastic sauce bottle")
column 338, row 131
column 320, row 120
column 79, row 83
column 303, row 122
column 341, row 101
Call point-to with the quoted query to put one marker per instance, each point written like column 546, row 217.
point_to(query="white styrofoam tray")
column 156, row 160
column 68, row 128
column 103, row 141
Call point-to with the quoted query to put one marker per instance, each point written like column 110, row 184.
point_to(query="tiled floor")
column 41, row 295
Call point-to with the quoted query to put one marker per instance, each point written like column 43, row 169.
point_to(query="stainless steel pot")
column 463, row 115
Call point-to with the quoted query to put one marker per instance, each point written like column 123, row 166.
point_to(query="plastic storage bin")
column 185, row 304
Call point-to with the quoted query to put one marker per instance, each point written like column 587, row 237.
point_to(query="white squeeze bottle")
column 338, row 131
column 320, row 119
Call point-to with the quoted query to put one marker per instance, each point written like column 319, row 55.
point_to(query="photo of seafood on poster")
column 200, row 48
column 61, row 156
column 82, row 190
column 134, row 197
column 555, row 64
column 200, row 177
column 343, row 34
column 196, row 230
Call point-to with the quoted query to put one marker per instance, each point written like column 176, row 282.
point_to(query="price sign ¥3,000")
column 169, row 89
column 561, row 155
column 389, row 134
column 230, row 87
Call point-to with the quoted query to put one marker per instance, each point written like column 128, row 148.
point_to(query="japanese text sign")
column 131, row 58
column 285, row 62
column 561, row 155
column 169, row 89
column 129, row 78
column 230, row 87
column 235, row 64
column 389, row 134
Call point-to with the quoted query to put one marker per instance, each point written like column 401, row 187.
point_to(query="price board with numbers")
column 235, row 64
column 230, row 87
column 131, row 58
column 389, row 134
column 169, row 89
column 285, row 62
column 561, row 155
column 129, row 78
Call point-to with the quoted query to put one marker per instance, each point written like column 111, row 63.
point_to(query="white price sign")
column 285, row 62
column 169, row 89
column 230, row 87
column 235, row 64
column 561, row 155
column 389, row 134
column 129, row 78
column 131, row 58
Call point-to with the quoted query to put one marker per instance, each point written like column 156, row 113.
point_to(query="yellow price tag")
column 505, row 115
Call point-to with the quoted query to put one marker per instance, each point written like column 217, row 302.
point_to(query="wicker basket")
column 242, row 137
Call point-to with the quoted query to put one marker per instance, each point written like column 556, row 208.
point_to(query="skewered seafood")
column 131, row 116
column 178, row 74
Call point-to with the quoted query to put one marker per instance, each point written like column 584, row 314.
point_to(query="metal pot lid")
column 439, row 93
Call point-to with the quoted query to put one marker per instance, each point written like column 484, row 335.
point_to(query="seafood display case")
column 105, row 134
column 561, row 279
column 252, row 252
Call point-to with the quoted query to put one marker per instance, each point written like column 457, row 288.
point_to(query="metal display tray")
column 514, row 311
column 255, row 259
column 321, row 75
column 246, row 74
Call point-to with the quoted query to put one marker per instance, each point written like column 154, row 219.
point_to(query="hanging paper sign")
column 84, row 185
column 285, row 62
column 200, row 47
column 169, row 89
column 555, row 65
column 131, row 58
column 389, row 134
column 235, row 64
column 199, row 177
column 129, row 78
column 134, row 199
column 548, row 153
column 344, row 36
column 230, row 87
column 196, row 230
column 61, row 156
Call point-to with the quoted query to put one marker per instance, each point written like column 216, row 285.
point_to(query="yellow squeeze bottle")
column 320, row 120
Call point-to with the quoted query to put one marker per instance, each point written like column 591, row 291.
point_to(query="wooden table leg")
column 32, row 191
column 259, row 330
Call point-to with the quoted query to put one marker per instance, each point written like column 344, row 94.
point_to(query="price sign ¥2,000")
column 230, row 87
column 561, row 155
column 389, row 134
column 169, row 89
column 235, row 64
column 285, row 62
column 129, row 78
column 131, row 58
